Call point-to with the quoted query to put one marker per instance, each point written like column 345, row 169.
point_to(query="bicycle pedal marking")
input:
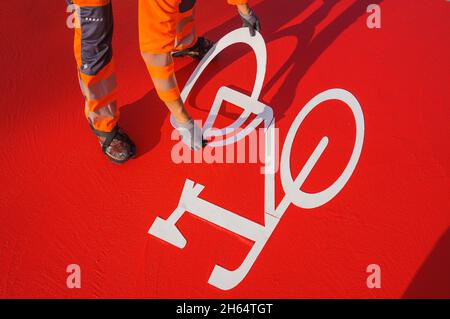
column 190, row 200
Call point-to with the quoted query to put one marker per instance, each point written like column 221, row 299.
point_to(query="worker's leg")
column 96, row 72
column 93, row 52
column 158, row 35
column 186, row 34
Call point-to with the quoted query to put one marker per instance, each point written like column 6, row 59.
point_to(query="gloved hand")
column 251, row 21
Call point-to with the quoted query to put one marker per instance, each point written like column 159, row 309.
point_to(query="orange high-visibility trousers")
column 95, row 63
column 164, row 26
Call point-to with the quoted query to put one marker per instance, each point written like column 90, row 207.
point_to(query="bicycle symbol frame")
column 190, row 201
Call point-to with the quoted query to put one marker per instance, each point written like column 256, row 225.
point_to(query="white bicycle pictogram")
column 191, row 202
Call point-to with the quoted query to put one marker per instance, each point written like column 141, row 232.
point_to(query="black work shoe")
column 116, row 145
column 197, row 51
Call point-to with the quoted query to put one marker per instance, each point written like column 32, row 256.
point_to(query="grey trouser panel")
column 186, row 5
column 96, row 38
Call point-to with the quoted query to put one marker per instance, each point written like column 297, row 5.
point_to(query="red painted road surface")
column 62, row 202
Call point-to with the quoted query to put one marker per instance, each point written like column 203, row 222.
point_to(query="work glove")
column 251, row 21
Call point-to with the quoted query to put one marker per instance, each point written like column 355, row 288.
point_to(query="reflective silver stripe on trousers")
column 100, row 89
column 103, row 113
column 186, row 40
